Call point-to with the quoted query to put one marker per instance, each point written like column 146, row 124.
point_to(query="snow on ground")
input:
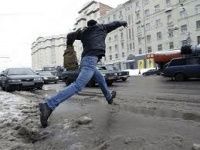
column 19, row 122
column 9, row 107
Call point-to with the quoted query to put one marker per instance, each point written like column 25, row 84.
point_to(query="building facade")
column 48, row 51
column 153, row 26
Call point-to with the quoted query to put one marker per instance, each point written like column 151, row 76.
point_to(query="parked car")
column 48, row 77
column 151, row 72
column 20, row 78
column 70, row 76
column 183, row 68
column 121, row 75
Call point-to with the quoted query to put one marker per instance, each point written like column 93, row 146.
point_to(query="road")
column 149, row 113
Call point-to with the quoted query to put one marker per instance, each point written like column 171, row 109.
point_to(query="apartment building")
column 48, row 51
column 153, row 26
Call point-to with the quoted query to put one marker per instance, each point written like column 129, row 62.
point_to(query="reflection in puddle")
column 161, row 112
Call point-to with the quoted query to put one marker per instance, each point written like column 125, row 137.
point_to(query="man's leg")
column 103, row 85
column 87, row 71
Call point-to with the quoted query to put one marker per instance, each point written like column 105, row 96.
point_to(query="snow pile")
column 9, row 107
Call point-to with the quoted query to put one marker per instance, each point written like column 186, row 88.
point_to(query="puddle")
column 161, row 112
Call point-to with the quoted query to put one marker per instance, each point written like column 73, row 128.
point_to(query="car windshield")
column 20, row 71
column 45, row 73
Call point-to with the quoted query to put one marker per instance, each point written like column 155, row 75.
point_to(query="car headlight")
column 37, row 79
column 56, row 77
column 115, row 74
column 14, row 80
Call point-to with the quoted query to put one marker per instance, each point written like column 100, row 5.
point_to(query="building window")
column 110, row 57
column 184, row 28
column 149, row 49
column 110, row 49
column 198, row 24
column 116, row 37
column 139, row 40
column 130, row 46
column 116, row 56
column 122, row 35
column 138, row 15
column 160, row 47
column 116, row 47
column 159, row 36
column 114, row 17
column 168, row 2
column 139, row 29
column 170, row 33
column 123, row 54
column 197, row 9
column 171, row 45
column 129, row 33
column 129, row 19
column 158, row 23
column 122, row 45
column 146, row 12
column 140, row 51
column 198, row 39
column 157, row 8
column 183, row 13
column 108, row 19
column 184, row 42
column 148, row 38
column 146, row 2
column 169, row 19
column 109, row 39
column 137, row 4
column 148, row 27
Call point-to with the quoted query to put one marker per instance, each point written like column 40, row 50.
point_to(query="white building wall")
column 48, row 51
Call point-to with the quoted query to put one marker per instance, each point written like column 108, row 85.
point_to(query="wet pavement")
column 149, row 113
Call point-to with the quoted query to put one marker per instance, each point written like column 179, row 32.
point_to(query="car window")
column 20, row 71
column 178, row 62
column 193, row 61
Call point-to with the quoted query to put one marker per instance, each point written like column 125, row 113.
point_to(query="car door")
column 193, row 67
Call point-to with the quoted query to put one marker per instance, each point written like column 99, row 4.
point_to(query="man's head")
column 91, row 23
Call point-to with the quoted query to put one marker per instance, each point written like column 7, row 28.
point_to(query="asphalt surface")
column 149, row 113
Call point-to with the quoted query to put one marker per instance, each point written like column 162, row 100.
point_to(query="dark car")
column 70, row 76
column 48, row 77
column 121, row 75
column 183, row 68
column 151, row 72
column 20, row 78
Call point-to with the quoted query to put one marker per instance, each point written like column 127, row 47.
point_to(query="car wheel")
column 179, row 77
column 39, row 88
column 8, row 89
column 124, row 79
column 67, row 81
column 110, row 83
column 91, row 84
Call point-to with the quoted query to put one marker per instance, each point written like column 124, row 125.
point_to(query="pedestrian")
column 93, row 41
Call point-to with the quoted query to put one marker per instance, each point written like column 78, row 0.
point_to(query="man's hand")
column 124, row 23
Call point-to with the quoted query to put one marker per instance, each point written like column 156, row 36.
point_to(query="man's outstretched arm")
column 72, row 36
column 114, row 25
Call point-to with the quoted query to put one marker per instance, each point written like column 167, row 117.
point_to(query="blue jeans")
column 88, row 70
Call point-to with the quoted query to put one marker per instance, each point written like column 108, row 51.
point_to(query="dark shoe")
column 45, row 112
column 113, row 93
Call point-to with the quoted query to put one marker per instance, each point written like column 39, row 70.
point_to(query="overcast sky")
column 22, row 21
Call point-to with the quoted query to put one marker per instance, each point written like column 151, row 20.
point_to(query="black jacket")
column 93, row 37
